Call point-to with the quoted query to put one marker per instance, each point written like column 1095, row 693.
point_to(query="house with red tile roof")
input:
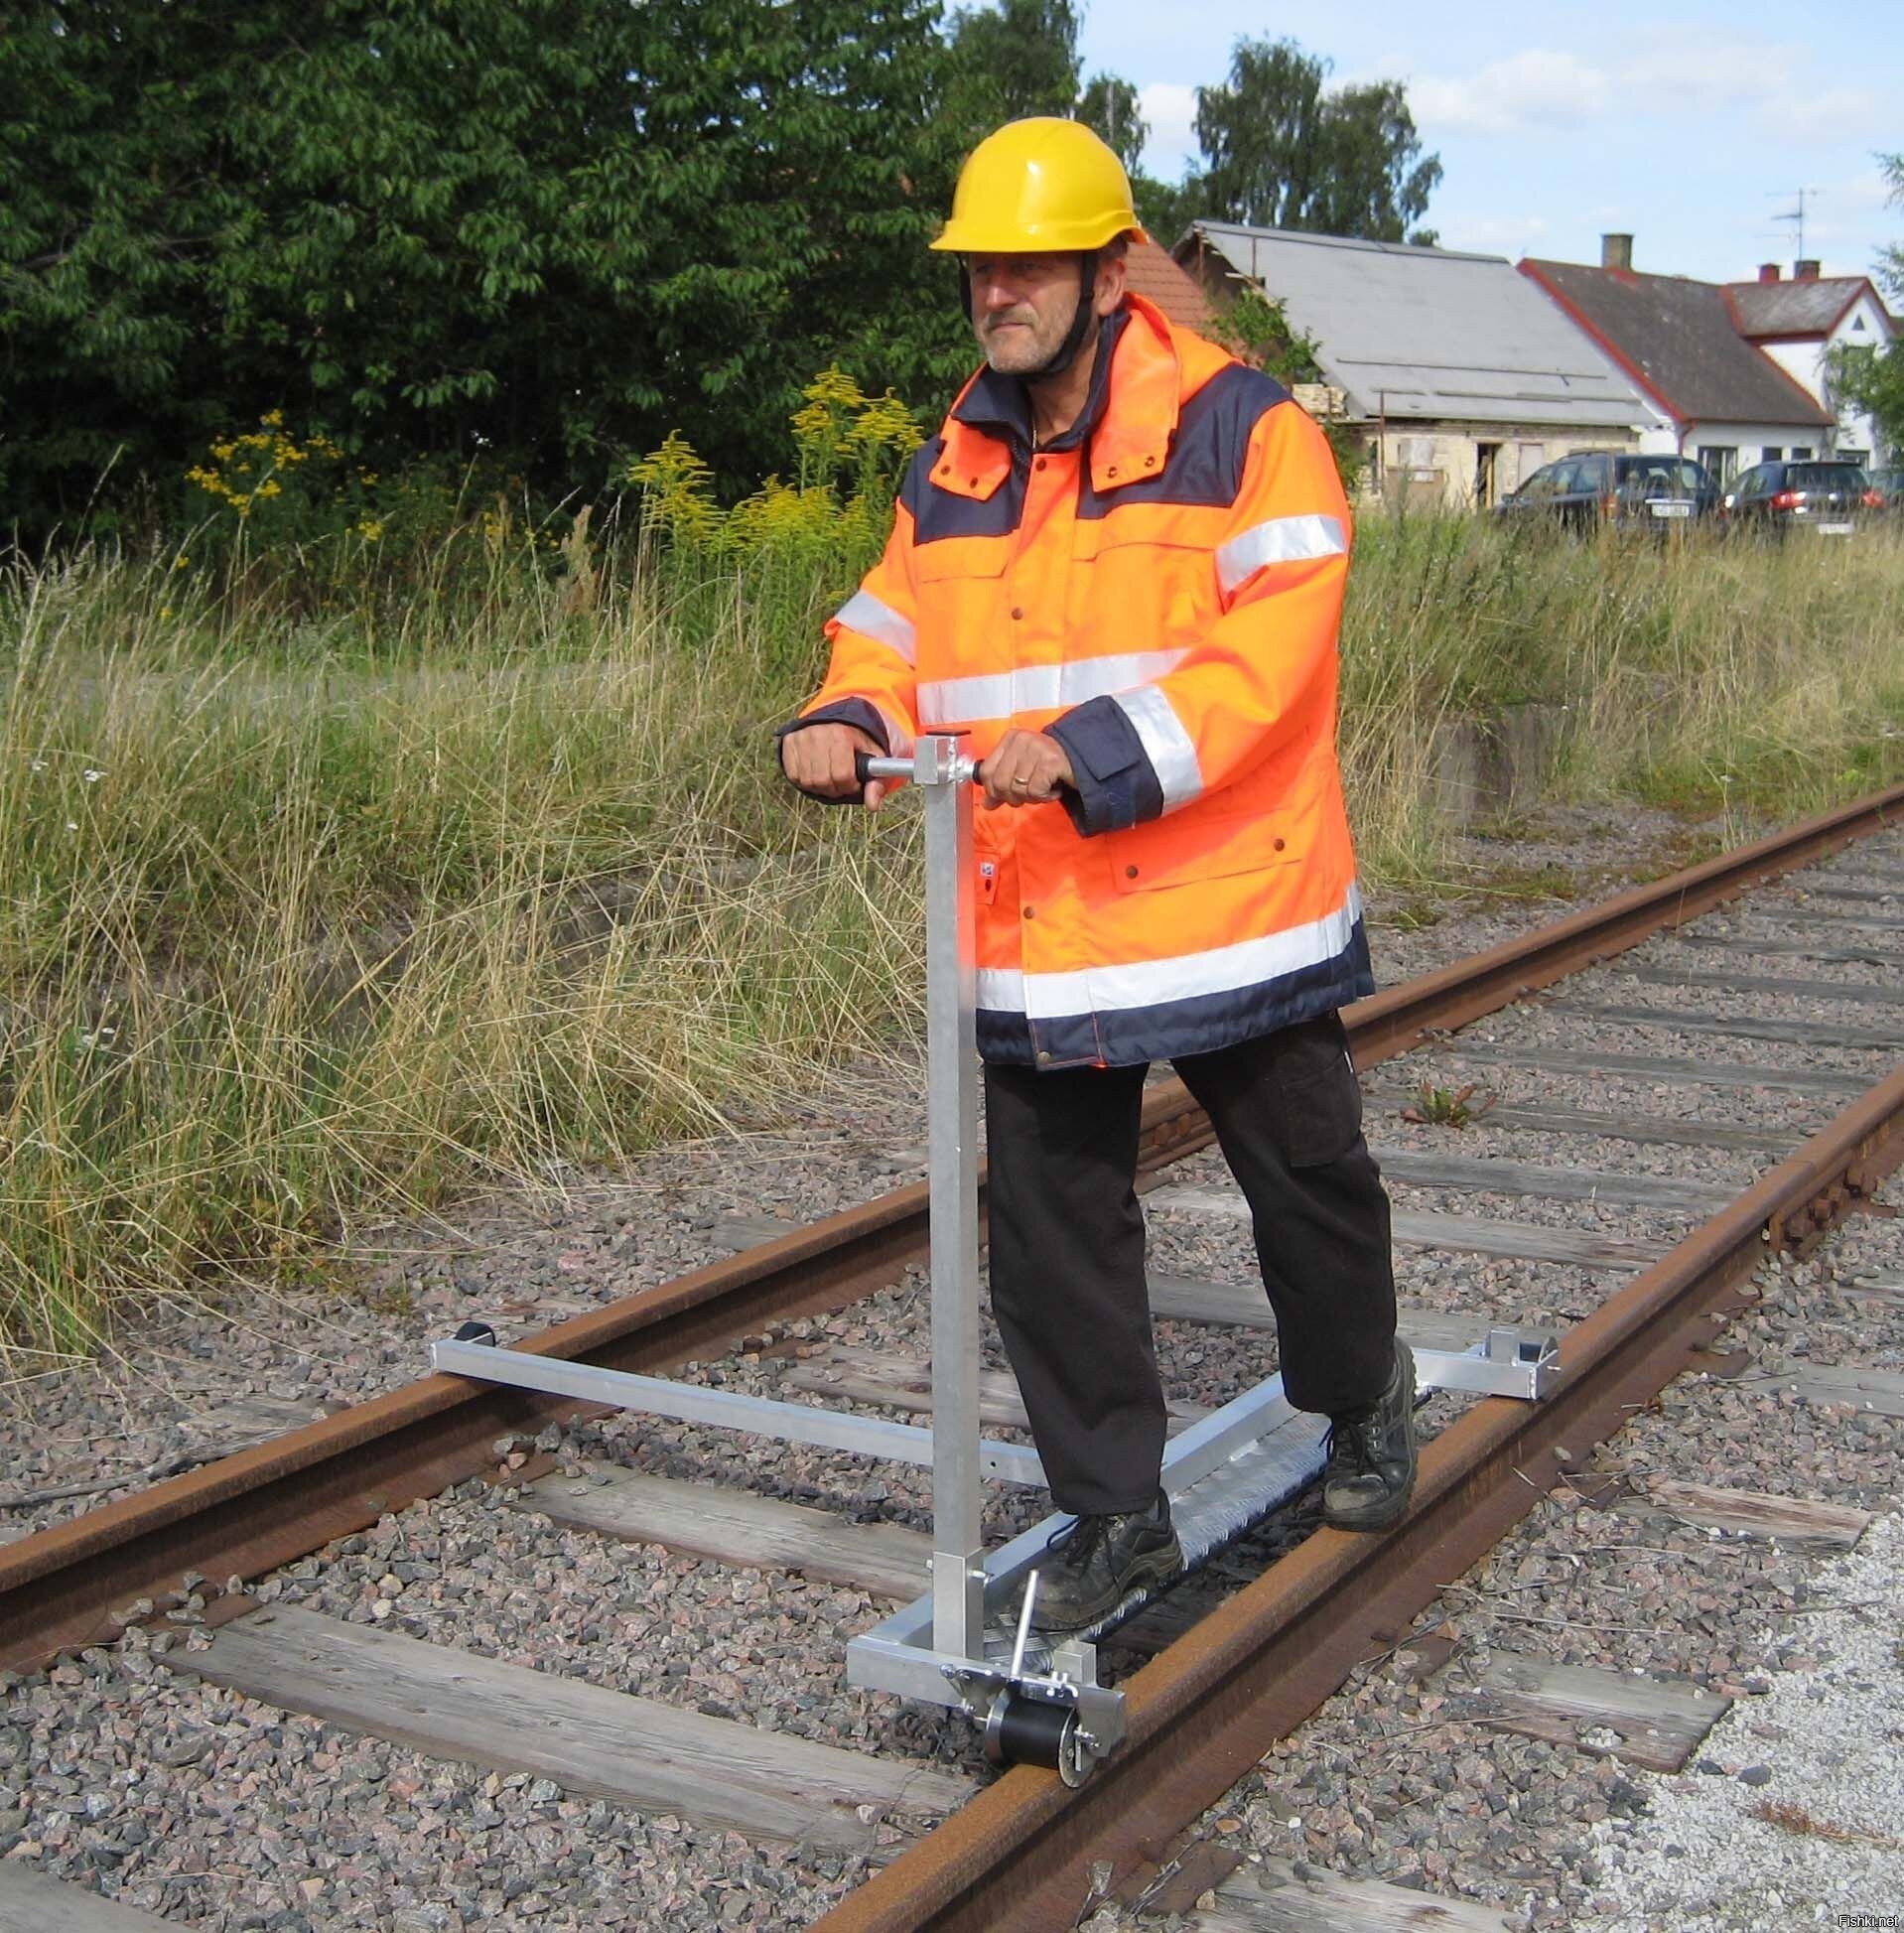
column 1153, row 273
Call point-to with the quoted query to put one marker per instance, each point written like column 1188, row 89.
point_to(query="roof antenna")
column 1796, row 215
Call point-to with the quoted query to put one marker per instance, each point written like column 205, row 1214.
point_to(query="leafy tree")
column 1166, row 210
column 1109, row 105
column 1017, row 60
column 552, row 229
column 1280, row 152
column 1873, row 378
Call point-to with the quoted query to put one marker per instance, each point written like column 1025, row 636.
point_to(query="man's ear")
column 1110, row 282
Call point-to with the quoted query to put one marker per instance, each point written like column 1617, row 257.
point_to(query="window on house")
column 1771, row 453
column 1858, row 324
column 1530, row 457
column 1720, row 462
column 1863, row 457
column 1802, row 452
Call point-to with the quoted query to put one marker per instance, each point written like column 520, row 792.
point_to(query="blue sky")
column 1689, row 125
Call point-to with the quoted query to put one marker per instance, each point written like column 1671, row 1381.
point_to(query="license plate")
column 1670, row 510
column 1832, row 529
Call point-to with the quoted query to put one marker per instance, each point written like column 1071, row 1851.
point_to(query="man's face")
column 1022, row 307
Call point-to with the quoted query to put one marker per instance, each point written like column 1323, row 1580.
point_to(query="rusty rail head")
column 1023, row 1853
column 248, row 1514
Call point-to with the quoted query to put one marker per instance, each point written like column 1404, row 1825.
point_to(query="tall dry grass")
column 320, row 896
column 292, row 933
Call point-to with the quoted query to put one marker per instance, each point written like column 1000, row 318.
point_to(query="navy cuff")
column 1116, row 785
column 845, row 711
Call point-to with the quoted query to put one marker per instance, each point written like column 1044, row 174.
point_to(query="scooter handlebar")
column 867, row 764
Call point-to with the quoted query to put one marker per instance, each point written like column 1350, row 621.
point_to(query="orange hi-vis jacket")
column 1158, row 589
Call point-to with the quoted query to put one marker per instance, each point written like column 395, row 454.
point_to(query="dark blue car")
column 1596, row 489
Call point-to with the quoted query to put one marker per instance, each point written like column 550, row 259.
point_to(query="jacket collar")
column 1126, row 424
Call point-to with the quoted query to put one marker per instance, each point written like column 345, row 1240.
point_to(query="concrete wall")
column 1437, row 465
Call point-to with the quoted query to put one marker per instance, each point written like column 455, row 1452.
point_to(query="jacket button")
column 1150, row 463
column 1045, row 1054
column 1018, row 610
column 1129, row 872
column 1112, row 472
column 1031, row 912
column 1278, row 845
column 1040, row 465
column 972, row 481
column 945, row 470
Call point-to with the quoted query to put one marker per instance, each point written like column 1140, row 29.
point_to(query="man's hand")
column 820, row 760
column 1024, row 769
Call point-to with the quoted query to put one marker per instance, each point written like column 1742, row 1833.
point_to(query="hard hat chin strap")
column 1066, row 352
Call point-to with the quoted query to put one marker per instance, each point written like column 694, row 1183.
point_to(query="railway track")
column 1793, row 1078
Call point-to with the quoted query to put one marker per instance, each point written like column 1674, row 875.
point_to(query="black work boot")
column 1091, row 1568
column 1371, row 1467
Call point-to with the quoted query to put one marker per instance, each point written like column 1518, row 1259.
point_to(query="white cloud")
column 1836, row 114
column 1170, row 111
column 1539, row 88
column 1683, row 76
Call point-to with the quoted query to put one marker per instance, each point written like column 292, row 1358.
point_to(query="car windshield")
column 1825, row 477
column 1661, row 476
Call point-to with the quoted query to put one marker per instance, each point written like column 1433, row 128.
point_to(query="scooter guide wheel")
column 474, row 1333
column 1032, row 1731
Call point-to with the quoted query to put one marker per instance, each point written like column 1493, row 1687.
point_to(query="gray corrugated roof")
column 1680, row 338
column 1427, row 333
column 1793, row 308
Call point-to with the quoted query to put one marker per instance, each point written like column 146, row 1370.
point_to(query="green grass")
column 329, row 889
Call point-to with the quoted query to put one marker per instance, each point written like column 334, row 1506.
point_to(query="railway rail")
column 1025, row 1851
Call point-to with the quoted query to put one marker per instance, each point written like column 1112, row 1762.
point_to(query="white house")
column 1798, row 323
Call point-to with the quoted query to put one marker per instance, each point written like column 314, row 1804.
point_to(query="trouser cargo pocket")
column 1321, row 1111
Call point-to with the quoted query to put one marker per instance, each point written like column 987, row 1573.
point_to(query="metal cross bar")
column 762, row 1416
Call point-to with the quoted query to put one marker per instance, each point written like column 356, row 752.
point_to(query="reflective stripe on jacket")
column 1159, row 589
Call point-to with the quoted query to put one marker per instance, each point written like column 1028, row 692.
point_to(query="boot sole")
column 1143, row 1574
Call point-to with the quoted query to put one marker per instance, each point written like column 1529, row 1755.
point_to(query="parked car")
column 1772, row 499
column 1594, row 489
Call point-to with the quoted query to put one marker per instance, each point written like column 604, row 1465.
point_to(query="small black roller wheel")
column 475, row 1332
column 1029, row 1731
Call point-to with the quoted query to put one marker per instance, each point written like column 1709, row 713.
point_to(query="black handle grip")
column 863, row 767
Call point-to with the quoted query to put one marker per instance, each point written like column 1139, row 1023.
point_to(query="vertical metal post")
column 951, row 991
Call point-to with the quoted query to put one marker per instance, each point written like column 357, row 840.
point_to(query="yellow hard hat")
column 1036, row 186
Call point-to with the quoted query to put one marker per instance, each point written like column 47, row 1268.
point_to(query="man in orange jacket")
column 1118, row 571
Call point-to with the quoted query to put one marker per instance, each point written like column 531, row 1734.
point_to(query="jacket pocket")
column 954, row 560
column 1184, row 849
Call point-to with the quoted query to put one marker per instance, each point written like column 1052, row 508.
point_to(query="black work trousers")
column 1067, row 1245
